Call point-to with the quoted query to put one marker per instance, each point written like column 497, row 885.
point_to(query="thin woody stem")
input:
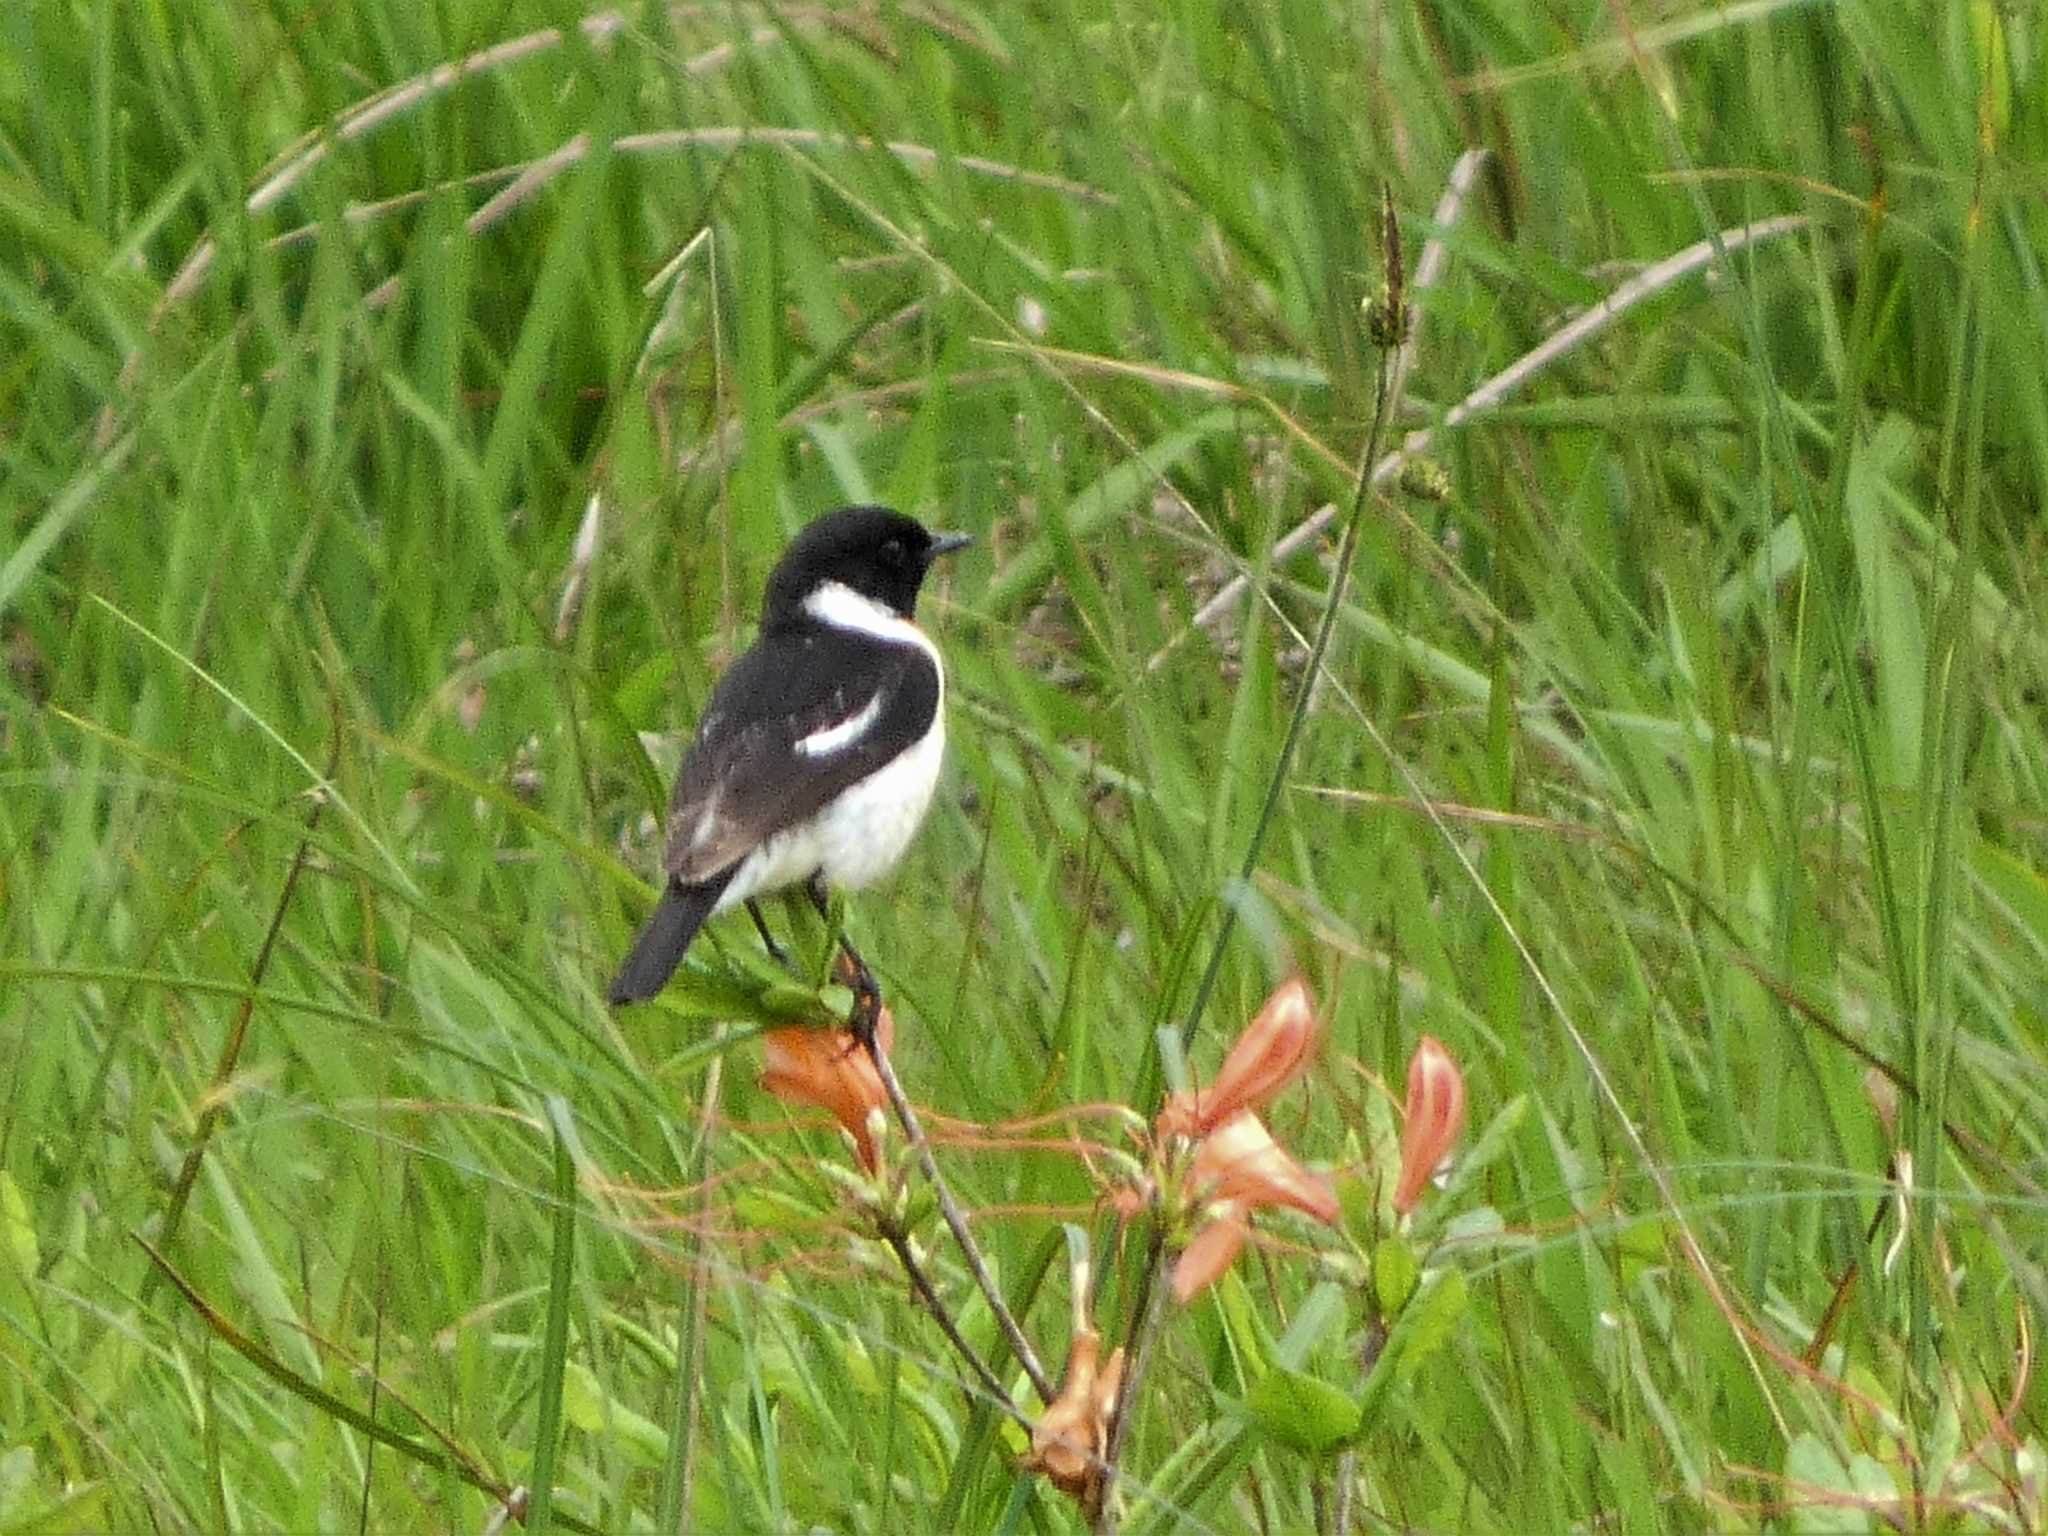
column 867, row 1008
column 950, row 1210
column 920, row 1282
column 1147, row 1310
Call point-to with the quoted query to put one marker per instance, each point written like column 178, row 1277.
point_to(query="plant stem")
column 1277, row 785
column 957, row 1222
column 213, row 1105
column 1146, row 1310
column 1150, row 1291
column 899, row 1244
column 1347, row 1474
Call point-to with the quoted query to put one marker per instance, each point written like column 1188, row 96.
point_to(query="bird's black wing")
column 748, row 775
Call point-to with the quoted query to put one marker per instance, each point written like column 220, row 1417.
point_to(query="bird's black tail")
column 659, row 949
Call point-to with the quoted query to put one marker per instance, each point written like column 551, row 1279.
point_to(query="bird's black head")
column 878, row 553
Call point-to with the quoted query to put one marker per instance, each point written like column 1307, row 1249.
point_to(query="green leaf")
column 1358, row 1198
column 1395, row 1272
column 1873, row 1480
column 17, row 1473
column 1369, row 1202
column 25, row 1510
column 257, row 1277
column 1418, row 1333
column 1241, row 1323
column 554, row 1355
column 771, row 1210
column 2018, row 884
column 1891, row 604
column 1816, row 1479
column 1428, row 1321
column 1302, row 1411
column 1316, row 1320
column 1640, row 1246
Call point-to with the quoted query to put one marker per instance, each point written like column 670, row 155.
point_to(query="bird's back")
column 775, row 744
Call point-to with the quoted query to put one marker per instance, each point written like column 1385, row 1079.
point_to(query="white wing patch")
column 834, row 738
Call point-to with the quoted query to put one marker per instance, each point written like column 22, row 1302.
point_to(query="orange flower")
column 1240, row 1162
column 1271, row 1053
column 830, row 1070
column 1068, row 1441
column 1239, row 1168
column 1435, row 1116
column 1210, row 1254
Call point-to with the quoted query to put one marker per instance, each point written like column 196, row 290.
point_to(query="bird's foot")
column 852, row 972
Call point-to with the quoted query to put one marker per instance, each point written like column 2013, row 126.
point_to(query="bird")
column 817, row 754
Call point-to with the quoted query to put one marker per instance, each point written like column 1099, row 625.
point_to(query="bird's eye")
column 893, row 551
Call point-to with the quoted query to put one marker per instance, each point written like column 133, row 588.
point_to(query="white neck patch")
column 838, row 605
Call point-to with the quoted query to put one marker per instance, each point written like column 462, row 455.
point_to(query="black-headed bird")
column 816, row 758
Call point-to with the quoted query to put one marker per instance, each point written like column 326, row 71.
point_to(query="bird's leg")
column 867, row 992
column 775, row 951
column 867, row 995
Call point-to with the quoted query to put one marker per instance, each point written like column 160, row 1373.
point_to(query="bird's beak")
column 946, row 543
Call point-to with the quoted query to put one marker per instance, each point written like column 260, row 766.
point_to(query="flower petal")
column 1240, row 1161
column 830, row 1070
column 1273, row 1051
column 1435, row 1116
column 1067, row 1440
column 1210, row 1254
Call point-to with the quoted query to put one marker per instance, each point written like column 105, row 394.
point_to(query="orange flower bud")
column 1435, row 1116
column 1209, row 1256
column 1271, row 1053
column 1240, row 1162
column 830, row 1070
column 1068, row 1441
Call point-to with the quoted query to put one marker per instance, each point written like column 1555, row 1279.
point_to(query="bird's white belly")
column 864, row 833
column 855, row 840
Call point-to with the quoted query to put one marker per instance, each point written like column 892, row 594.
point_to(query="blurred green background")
column 400, row 408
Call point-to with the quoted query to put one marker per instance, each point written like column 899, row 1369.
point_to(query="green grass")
column 1683, row 768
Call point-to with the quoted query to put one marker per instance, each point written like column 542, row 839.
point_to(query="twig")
column 901, row 149
column 1646, row 284
column 1428, row 268
column 1150, row 1306
column 906, row 1116
column 525, row 177
column 1389, row 311
column 531, row 176
column 920, row 1282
